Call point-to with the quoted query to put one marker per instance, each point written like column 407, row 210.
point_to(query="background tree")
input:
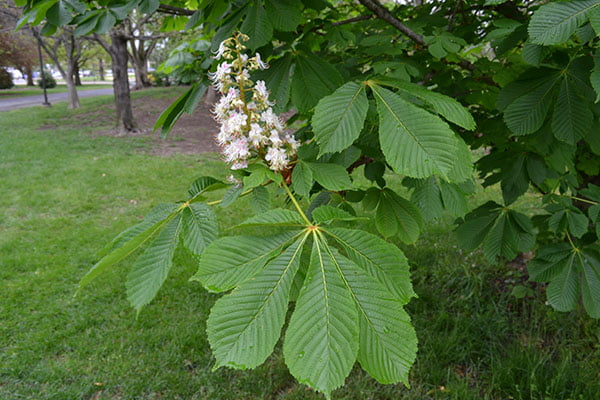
column 64, row 42
column 17, row 48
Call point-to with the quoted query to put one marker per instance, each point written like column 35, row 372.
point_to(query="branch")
column 351, row 20
column 102, row 43
column 167, row 9
column 383, row 13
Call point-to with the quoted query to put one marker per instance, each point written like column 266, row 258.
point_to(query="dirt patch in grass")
column 192, row 134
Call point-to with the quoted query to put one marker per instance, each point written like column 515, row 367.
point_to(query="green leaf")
column 379, row 259
column 387, row 339
column 261, row 200
column 59, row 14
column 87, row 25
column 199, row 227
column 185, row 102
column 285, row 15
column 278, row 79
column 415, row 143
column 515, row 181
column 321, row 342
column 152, row 267
column 229, row 261
column 590, row 281
column 155, row 215
column 126, row 249
column 257, row 26
column 454, row 199
column 327, row 214
column 302, row 179
column 106, row 21
column 445, row 106
column 396, row 216
column 549, row 262
column 503, row 232
column 572, row 118
column 528, row 112
column 205, row 184
column 555, row 23
column 428, row 198
column 231, row 195
column 339, row 118
column 331, row 176
column 562, row 291
column 313, row 79
column 244, row 326
column 148, row 6
column 595, row 75
column 276, row 217
column 532, row 54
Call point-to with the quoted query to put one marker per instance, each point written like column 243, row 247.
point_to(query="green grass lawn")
column 66, row 193
column 21, row 91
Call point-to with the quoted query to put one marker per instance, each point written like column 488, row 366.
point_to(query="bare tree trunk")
column 139, row 58
column 29, row 73
column 72, row 91
column 211, row 96
column 118, row 50
column 101, row 69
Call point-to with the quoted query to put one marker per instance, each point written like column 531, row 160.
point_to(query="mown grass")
column 21, row 91
column 66, row 193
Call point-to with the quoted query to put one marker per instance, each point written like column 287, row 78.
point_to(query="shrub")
column 50, row 81
column 6, row 81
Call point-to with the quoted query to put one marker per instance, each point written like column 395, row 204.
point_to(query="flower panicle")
column 249, row 128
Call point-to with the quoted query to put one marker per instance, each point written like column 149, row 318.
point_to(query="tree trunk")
column 211, row 96
column 118, row 50
column 101, row 69
column 139, row 59
column 77, row 74
column 29, row 73
column 72, row 90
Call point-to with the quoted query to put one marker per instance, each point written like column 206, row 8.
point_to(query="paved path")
column 37, row 100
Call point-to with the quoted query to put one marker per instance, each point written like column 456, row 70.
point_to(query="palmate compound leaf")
column 396, row 216
column 152, row 267
column 556, row 22
column 244, row 326
column 321, row 342
column 566, row 269
column 339, row 118
column 502, row 231
column 231, row 260
column 415, row 143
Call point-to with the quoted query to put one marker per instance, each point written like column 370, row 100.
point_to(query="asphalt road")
column 29, row 101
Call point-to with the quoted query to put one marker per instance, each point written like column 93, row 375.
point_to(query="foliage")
column 474, row 337
column 410, row 92
column 48, row 80
column 6, row 80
